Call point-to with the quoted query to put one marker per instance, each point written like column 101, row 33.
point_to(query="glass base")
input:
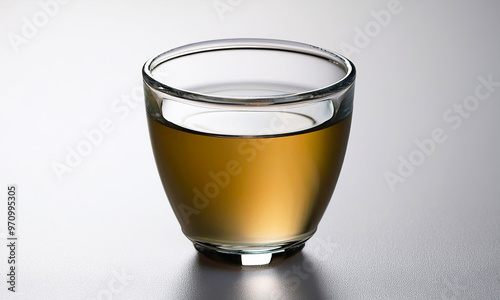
column 249, row 256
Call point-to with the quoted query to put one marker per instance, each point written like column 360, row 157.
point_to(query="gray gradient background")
column 107, row 228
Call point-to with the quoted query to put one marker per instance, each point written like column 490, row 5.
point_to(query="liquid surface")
column 243, row 119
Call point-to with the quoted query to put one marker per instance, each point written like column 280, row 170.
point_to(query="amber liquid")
column 242, row 190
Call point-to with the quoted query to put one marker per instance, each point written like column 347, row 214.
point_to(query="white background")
column 105, row 229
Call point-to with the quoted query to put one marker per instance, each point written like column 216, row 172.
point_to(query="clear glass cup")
column 249, row 136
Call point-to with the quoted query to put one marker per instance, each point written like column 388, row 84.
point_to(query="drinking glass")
column 249, row 136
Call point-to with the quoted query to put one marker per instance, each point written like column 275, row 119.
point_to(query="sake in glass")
column 249, row 136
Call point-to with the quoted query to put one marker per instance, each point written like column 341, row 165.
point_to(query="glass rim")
column 256, row 44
